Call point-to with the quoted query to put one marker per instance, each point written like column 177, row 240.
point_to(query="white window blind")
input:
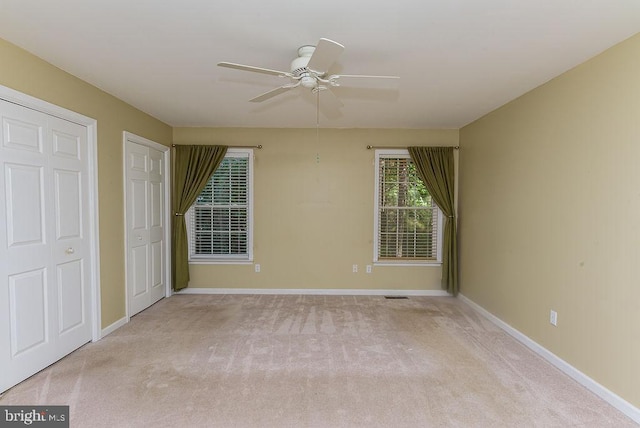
column 219, row 220
column 407, row 219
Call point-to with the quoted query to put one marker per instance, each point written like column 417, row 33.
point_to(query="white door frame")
column 128, row 136
column 42, row 106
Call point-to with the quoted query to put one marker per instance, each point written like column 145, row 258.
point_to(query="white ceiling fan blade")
column 364, row 76
column 363, row 81
column 326, row 53
column 359, row 76
column 272, row 93
column 254, row 69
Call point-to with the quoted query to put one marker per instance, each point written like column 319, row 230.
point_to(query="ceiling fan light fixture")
column 308, row 81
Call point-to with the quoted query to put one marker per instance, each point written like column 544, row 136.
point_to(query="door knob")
column 139, row 238
column 70, row 250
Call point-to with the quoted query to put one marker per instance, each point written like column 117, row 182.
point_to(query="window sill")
column 406, row 263
column 219, row 262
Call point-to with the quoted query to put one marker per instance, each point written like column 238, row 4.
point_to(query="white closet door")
column 145, row 226
column 44, row 241
column 157, row 225
column 70, row 243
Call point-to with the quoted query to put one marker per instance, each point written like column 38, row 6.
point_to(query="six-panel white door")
column 144, row 175
column 45, row 267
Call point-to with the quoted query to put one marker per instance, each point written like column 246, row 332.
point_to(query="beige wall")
column 314, row 209
column 550, row 216
column 26, row 73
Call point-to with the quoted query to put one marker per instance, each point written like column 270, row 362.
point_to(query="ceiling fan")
column 309, row 70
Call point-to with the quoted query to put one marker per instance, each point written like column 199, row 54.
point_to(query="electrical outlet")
column 355, row 268
column 553, row 317
column 257, row 266
column 368, row 268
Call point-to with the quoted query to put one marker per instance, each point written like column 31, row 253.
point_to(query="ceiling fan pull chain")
column 317, row 109
column 317, row 126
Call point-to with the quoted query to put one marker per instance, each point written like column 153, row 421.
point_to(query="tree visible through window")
column 219, row 220
column 407, row 217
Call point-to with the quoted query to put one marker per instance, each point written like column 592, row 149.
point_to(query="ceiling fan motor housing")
column 299, row 67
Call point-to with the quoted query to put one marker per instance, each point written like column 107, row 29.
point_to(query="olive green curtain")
column 193, row 166
column 435, row 166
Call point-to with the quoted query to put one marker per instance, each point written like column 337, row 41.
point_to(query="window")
column 407, row 221
column 220, row 223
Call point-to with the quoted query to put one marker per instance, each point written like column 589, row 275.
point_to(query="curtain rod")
column 259, row 146
column 396, row 147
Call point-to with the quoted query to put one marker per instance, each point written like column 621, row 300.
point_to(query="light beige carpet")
column 312, row 361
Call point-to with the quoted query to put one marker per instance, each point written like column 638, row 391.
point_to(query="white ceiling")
column 457, row 59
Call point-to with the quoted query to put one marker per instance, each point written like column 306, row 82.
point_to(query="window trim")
column 228, row 259
column 398, row 153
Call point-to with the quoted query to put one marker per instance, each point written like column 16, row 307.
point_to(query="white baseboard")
column 113, row 327
column 312, row 291
column 610, row 397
